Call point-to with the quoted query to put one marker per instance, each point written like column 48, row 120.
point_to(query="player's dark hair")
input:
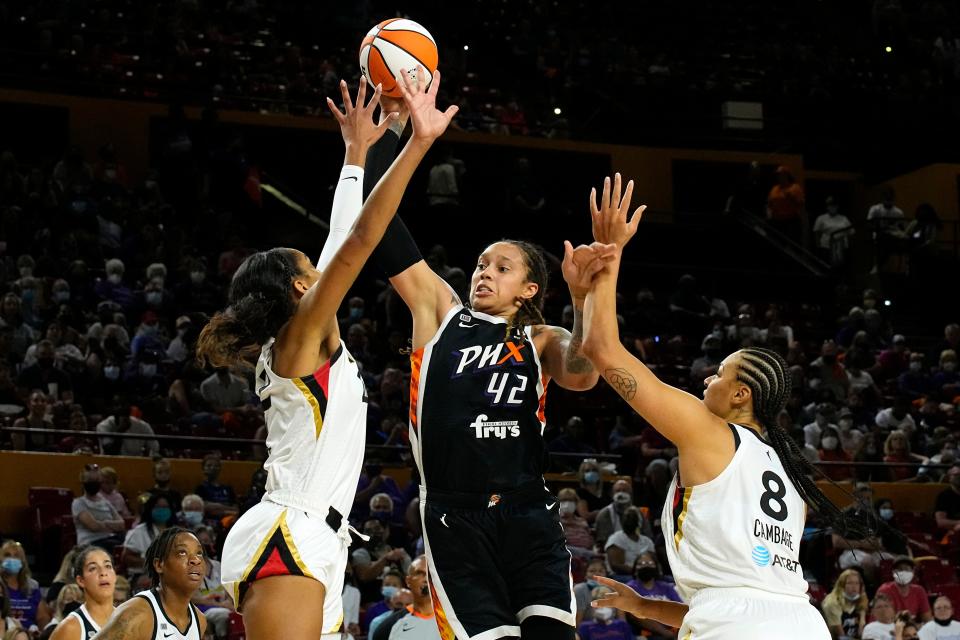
column 765, row 373
column 159, row 549
column 259, row 305
column 531, row 310
column 80, row 558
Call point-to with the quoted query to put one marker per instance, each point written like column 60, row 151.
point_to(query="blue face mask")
column 591, row 477
column 593, row 584
column 886, row 514
column 12, row 566
column 388, row 592
column 193, row 518
column 161, row 515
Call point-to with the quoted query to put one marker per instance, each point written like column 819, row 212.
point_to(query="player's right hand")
column 609, row 216
column 429, row 123
column 356, row 120
column 625, row 598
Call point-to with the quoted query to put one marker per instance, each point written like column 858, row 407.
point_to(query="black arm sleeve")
column 397, row 250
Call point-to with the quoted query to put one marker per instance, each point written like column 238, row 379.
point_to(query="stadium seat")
column 952, row 591
column 52, row 521
column 936, row 571
column 915, row 522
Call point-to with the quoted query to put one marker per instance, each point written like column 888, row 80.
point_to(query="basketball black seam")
column 421, row 62
column 373, row 45
column 430, row 38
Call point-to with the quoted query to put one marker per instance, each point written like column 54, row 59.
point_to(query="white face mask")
column 622, row 498
column 916, row 366
column 148, row 370
column 846, row 423
column 111, row 372
column 829, row 443
column 603, row 614
column 949, row 366
column 567, row 507
column 903, row 577
column 114, row 278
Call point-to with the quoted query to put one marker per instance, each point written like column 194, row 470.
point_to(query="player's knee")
column 542, row 628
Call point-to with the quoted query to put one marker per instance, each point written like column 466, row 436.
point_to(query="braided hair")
column 159, row 549
column 765, row 373
column 531, row 309
column 259, row 305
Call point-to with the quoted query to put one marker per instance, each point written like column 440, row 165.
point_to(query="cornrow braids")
column 765, row 373
column 531, row 309
column 159, row 549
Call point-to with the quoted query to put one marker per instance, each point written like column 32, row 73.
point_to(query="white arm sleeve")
column 347, row 202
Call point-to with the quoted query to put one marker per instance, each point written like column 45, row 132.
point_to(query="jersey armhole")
column 153, row 610
column 736, row 437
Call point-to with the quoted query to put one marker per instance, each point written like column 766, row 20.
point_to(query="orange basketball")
column 393, row 45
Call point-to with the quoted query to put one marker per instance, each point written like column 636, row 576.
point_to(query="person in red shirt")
column 831, row 451
column 905, row 595
column 785, row 206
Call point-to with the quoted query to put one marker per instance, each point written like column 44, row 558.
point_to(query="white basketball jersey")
column 316, row 430
column 163, row 626
column 88, row 626
column 741, row 529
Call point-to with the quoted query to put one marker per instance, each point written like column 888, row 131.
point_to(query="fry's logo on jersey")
column 486, row 357
column 485, row 429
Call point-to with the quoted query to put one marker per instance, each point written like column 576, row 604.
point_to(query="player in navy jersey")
column 734, row 523
column 479, row 373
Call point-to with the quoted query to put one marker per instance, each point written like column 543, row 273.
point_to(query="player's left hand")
column 581, row 264
column 609, row 216
column 429, row 123
column 624, row 598
column 356, row 120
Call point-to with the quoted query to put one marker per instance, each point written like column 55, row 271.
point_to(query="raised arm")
column 679, row 416
column 323, row 299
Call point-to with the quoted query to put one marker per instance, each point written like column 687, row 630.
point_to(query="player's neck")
column 423, row 606
column 99, row 611
column 176, row 605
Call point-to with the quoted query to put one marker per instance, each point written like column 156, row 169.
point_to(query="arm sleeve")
column 347, row 202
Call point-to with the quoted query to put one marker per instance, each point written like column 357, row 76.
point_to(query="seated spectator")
column 896, row 449
column 910, row 629
column 943, row 626
column 577, row 531
column 946, row 378
column 121, row 421
column 845, row 607
column 891, row 538
column 37, row 418
column 607, row 623
column 390, row 585
column 646, row 582
column 161, row 482
column 192, row 513
column 375, row 555
column 707, row 364
column 597, row 566
column 46, row 376
column 351, row 604
column 851, row 439
column 155, row 516
column 416, row 617
column 830, row 451
column 868, row 552
column 371, row 482
column 398, row 607
column 904, row 594
column 947, row 509
column 64, row 576
column 26, row 604
column 828, row 375
column 179, row 350
column 897, row 417
column 69, row 599
column 108, row 489
column 219, row 499
column 608, row 520
column 822, row 419
column 625, row 546
column 224, row 391
column 212, row 598
column 883, row 615
column 382, row 508
column 96, row 520
column 121, row 591
column 590, row 491
column 569, row 441
column 915, row 382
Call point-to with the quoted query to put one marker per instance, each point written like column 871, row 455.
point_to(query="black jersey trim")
column 156, row 595
column 736, row 436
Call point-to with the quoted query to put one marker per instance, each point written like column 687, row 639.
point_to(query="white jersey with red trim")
column 741, row 529
column 316, row 430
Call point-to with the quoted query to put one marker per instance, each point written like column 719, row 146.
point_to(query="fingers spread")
column 435, row 85
column 345, row 93
column 341, row 117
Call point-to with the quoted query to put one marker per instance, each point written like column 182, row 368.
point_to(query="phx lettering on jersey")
column 487, row 357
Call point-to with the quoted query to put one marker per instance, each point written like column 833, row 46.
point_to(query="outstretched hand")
column 357, row 125
column 610, row 224
column 624, row 598
column 581, row 264
column 429, row 123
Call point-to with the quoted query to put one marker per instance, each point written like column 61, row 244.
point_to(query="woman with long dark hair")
column 735, row 513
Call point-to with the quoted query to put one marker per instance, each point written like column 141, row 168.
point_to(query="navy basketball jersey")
column 477, row 399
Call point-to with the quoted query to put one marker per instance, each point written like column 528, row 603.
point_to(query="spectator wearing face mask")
column 892, row 539
column 376, row 555
column 845, row 607
column 866, row 553
column 399, row 601
column 851, row 438
column 45, row 375
column 590, row 498
column 607, row 623
column 813, row 431
column 946, row 380
column 36, row 418
column 416, row 620
column 897, row 417
column 121, row 421
column 224, row 391
column 947, row 508
column 219, row 499
column 112, row 287
column 390, row 585
column 916, row 381
column 96, row 520
column 831, row 451
column 155, row 516
column 178, row 350
column 162, row 473
column 608, row 519
column 192, row 510
column 23, row 592
column 382, row 508
column 707, row 364
column 943, row 626
column 904, row 594
column 582, row 591
column 108, row 489
column 625, row 546
column 896, row 449
column 646, row 583
column 575, row 529
column 826, row 374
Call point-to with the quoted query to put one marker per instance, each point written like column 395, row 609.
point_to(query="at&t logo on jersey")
column 501, row 429
column 763, row 558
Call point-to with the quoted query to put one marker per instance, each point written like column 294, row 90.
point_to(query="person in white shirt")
column 625, row 546
column 96, row 520
column 177, row 350
column 223, row 390
column 885, row 214
column 812, row 431
column 943, row 626
column 122, row 422
column 883, row 616
column 827, row 228
column 155, row 516
column 896, row 418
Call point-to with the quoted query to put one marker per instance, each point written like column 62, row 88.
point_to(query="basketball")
column 393, row 45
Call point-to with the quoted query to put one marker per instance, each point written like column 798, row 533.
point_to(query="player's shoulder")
column 133, row 619
column 68, row 628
